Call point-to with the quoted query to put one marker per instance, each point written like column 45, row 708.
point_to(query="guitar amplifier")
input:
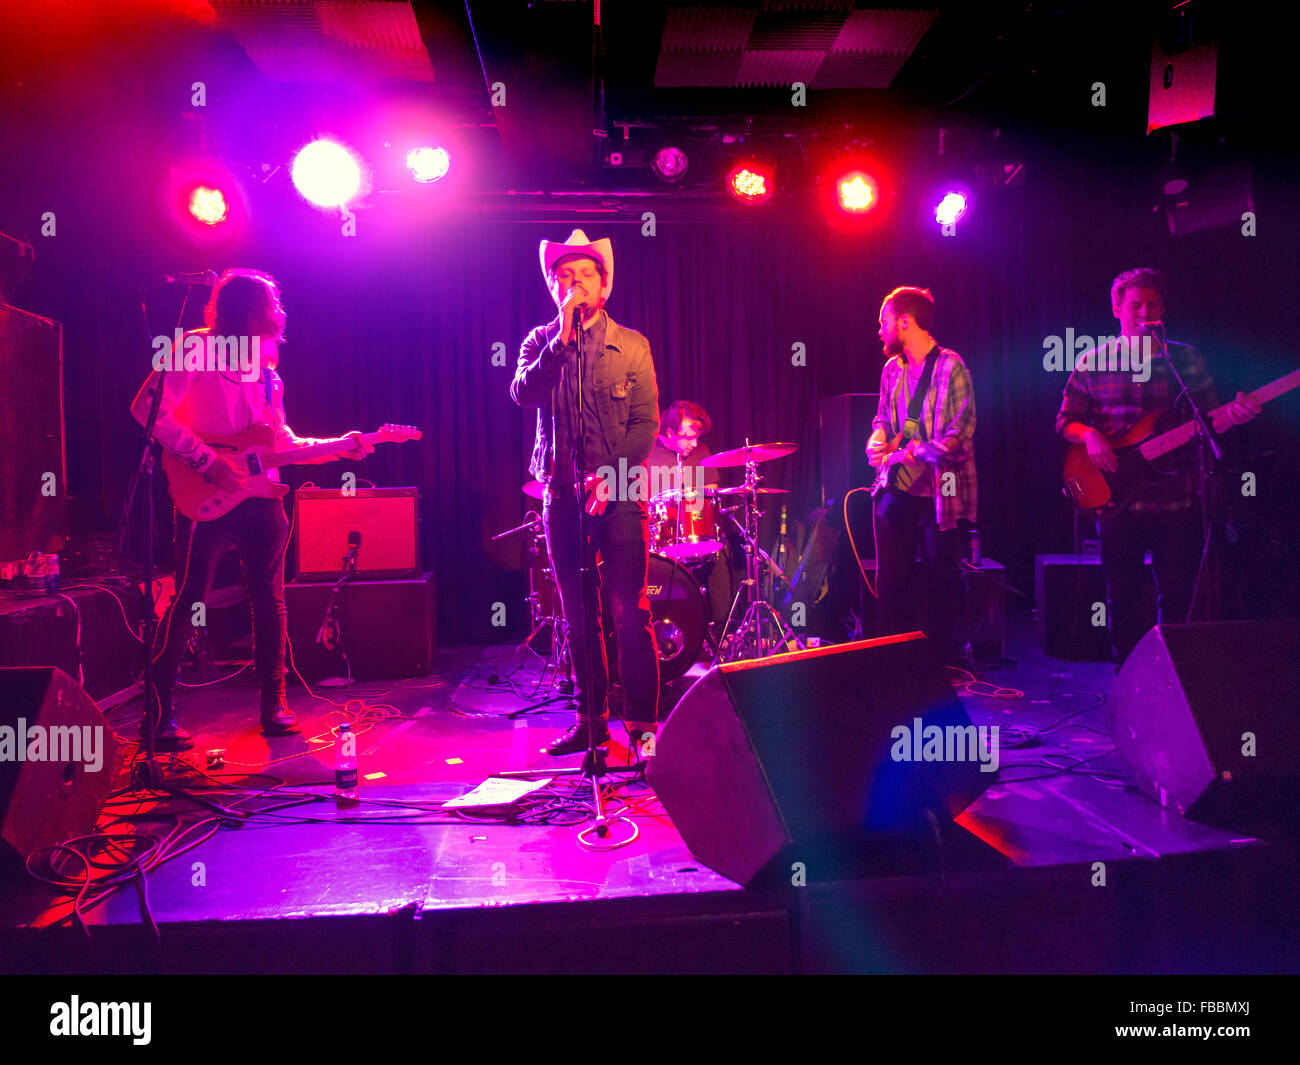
column 388, row 520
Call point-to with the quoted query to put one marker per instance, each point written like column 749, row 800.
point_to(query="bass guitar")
column 1101, row 494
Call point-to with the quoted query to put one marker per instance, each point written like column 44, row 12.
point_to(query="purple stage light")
column 327, row 173
column 670, row 164
column 428, row 164
column 950, row 209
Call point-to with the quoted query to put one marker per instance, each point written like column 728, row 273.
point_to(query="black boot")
column 277, row 718
column 578, row 738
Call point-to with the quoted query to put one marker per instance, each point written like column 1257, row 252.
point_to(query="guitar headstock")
column 396, row 434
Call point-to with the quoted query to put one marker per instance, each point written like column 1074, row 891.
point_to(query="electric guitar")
column 894, row 450
column 252, row 454
column 1100, row 493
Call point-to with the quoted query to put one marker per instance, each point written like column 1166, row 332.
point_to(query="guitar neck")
column 315, row 451
column 1176, row 438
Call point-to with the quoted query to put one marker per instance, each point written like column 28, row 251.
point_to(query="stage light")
column 208, row 205
column 428, row 164
column 751, row 182
column 327, row 173
column 670, row 163
column 950, row 209
column 856, row 192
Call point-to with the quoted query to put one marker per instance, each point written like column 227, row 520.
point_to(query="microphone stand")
column 145, row 469
column 1207, row 446
column 594, row 763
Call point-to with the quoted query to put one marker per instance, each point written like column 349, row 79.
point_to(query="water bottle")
column 345, row 765
column 975, row 548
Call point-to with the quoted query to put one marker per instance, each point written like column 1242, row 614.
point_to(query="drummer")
column 680, row 428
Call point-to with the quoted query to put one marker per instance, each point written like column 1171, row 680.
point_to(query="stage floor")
column 1029, row 842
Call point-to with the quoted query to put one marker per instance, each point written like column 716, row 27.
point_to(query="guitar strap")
column 917, row 400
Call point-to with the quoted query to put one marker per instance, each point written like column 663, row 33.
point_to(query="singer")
column 1099, row 403
column 620, row 403
column 200, row 403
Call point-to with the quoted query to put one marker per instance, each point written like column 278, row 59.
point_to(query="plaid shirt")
column 947, row 415
column 1112, row 402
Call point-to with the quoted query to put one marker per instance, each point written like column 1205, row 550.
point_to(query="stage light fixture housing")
column 670, row 163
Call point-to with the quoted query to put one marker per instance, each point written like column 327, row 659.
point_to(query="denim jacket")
column 627, row 393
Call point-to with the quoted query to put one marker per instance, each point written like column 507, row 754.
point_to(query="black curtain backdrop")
column 399, row 324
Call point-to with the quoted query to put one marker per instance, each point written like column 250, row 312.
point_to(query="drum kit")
column 689, row 530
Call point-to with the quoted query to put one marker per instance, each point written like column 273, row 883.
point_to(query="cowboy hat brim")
column 552, row 251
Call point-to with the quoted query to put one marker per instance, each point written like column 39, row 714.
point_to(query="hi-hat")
column 738, row 456
column 535, row 489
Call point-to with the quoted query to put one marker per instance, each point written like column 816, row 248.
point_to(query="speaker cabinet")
column 388, row 628
column 386, row 518
column 845, row 426
column 1206, row 717
column 57, row 758
column 768, row 762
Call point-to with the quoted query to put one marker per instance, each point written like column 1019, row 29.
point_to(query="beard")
column 893, row 346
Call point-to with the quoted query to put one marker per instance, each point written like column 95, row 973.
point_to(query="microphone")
column 1155, row 327
column 201, row 277
column 354, row 544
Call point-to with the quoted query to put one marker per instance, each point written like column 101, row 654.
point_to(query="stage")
column 1014, row 886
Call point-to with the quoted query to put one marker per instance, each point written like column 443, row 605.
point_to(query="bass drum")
column 679, row 614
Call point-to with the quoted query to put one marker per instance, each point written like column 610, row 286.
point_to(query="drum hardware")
column 748, row 640
column 542, row 614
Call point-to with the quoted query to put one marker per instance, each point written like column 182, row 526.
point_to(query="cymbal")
column 758, row 491
column 535, row 489
column 738, row 456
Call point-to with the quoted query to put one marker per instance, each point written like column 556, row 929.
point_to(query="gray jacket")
column 627, row 392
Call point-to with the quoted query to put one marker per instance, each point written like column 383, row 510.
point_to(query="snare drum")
column 682, row 524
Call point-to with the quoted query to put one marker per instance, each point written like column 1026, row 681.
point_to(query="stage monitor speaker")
column 769, row 762
column 1206, row 717
column 386, row 518
column 845, row 426
column 58, row 793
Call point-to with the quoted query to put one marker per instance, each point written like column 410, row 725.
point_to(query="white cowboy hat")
column 602, row 251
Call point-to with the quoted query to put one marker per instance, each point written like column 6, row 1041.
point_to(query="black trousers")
column 259, row 531
column 620, row 536
column 1174, row 541
column 925, row 597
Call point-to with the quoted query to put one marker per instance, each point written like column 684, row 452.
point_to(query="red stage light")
column 209, row 205
column 751, row 182
column 856, row 192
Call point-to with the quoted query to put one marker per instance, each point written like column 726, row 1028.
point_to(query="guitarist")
column 205, row 403
column 922, row 446
column 1100, row 403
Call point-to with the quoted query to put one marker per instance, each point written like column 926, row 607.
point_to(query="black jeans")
column 259, row 531
column 620, row 535
column 1174, row 541
column 910, row 600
